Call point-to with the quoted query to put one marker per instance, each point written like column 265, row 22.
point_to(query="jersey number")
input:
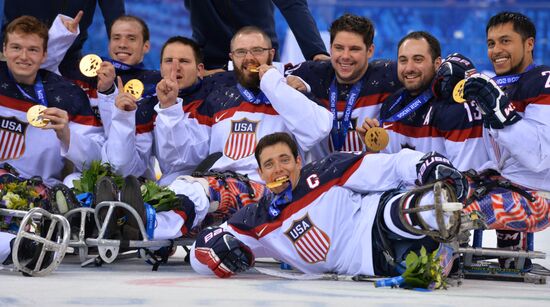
column 472, row 110
column 547, row 85
column 313, row 181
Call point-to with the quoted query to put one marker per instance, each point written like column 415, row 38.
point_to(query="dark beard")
column 254, row 80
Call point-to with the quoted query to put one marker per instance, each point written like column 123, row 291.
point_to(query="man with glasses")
column 239, row 112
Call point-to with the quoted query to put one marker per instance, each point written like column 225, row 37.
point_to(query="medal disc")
column 376, row 138
column 34, row 116
column 134, row 87
column 458, row 91
column 277, row 183
column 89, row 65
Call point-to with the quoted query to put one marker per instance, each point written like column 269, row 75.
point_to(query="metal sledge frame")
column 109, row 249
column 48, row 245
column 474, row 264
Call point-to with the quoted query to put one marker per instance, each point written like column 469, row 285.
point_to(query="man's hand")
column 456, row 67
column 263, row 69
column 496, row 108
column 72, row 24
column 224, row 254
column 321, row 57
column 106, row 77
column 59, row 122
column 434, row 167
column 367, row 124
column 296, row 83
column 168, row 88
column 124, row 101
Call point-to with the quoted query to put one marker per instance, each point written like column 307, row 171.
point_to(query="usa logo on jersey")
column 242, row 139
column 311, row 243
column 353, row 141
column 12, row 138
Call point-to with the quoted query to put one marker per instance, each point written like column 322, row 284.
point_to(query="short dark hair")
column 144, row 27
column 353, row 23
column 433, row 43
column 250, row 30
column 28, row 25
column 186, row 42
column 275, row 138
column 522, row 24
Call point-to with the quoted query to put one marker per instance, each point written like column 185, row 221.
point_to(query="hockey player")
column 329, row 216
column 69, row 129
column 138, row 125
column 515, row 107
column 423, row 115
column 240, row 112
column 349, row 86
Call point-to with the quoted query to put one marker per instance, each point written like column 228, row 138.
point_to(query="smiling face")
column 24, row 54
column 277, row 161
column 243, row 64
column 415, row 66
column 126, row 44
column 506, row 49
column 349, row 56
column 181, row 57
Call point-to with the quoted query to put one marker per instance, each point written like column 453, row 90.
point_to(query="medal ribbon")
column 248, row 96
column 340, row 128
column 506, row 80
column 411, row 107
column 38, row 90
column 279, row 202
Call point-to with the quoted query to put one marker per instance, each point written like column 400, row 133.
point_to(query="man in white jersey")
column 330, row 216
column 246, row 104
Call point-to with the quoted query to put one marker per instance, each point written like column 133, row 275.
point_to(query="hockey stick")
column 326, row 276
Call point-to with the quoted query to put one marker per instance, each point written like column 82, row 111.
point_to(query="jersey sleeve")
column 528, row 140
column 59, row 41
column 181, row 140
column 382, row 172
column 128, row 152
column 309, row 122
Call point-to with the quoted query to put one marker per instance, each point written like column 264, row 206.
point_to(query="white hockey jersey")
column 328, row 225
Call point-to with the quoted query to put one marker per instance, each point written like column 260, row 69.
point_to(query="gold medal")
column 34, row 116
column 134, row 87
column 376, row 138
column 277, row 183
column 89, row 65
column 458, row 91
column 253, row 69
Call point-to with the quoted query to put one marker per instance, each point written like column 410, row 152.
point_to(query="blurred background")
column 458, row 24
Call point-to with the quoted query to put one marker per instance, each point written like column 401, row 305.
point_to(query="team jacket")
column 380, row 80
column 133, row 140
column 235, row 125
column 38, row 152
column 328, row 225
column 453, row 129
column 521, row 152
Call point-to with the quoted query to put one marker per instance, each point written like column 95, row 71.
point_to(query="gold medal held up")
column 34, row 116
column 458, row 91
column 253, row 69
column 89, row 65
column 376, row 138
column 134, row 87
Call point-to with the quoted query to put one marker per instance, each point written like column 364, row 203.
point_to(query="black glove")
column 455, row 68
column 224, row 254
column 434, row 167
column 494, row 104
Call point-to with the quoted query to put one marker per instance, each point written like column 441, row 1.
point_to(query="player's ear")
column 437, row 62
column 200, row 70
column 146, row 47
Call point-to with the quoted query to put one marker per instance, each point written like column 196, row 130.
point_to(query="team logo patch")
column 242, row 139
column 311, row 243
column 12, row 138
